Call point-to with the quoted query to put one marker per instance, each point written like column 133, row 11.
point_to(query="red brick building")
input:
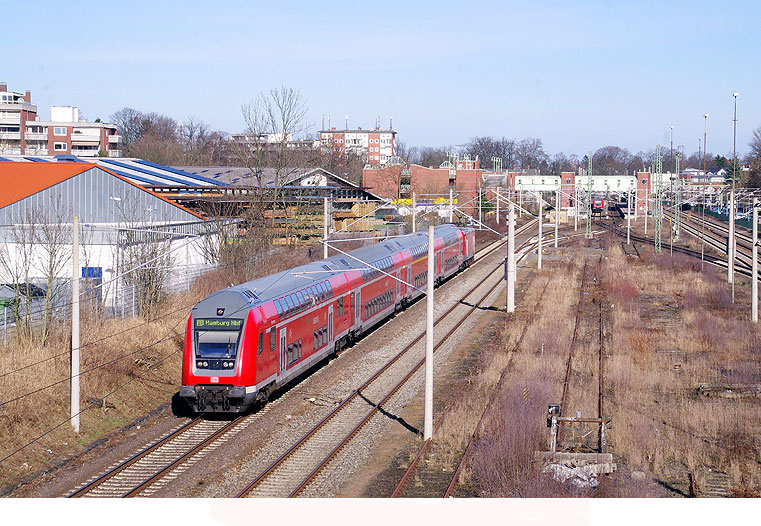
column 23, row 133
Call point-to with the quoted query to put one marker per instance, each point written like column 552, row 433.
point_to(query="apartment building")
column 15, row 110
column 23, row 133
column 376, row 146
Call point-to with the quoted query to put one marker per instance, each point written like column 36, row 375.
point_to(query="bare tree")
column 273, row 119
column 143, row 256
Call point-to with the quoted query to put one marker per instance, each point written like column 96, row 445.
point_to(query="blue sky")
column 579, row 75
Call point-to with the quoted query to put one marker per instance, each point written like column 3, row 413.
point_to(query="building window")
column 59, row 146
column 60, row 131
column 644, row 181
column 567, row 181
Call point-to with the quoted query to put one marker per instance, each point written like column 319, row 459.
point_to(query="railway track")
column 157, row 463
column 587, row 337
column 708, row 258
column 301, row 465
column 721, row 242
column 446, row 482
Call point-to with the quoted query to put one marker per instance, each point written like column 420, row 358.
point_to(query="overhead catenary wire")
column 90, row 406
column 94, row 342
column 100, row 366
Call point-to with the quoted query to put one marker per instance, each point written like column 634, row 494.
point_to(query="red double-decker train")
column 244, row 342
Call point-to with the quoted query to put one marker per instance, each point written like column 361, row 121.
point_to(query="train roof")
column 270, row 287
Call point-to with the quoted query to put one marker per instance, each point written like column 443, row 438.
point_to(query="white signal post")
column 754, row 272
column 557, row 214
column 451, row 207
column 575, row 206
column 498, row 205
column 326, row 223
column 628, row 219
column 428, row 420
column 413, row 212
column 730, row 240
column 75, row 324
column 511, row 258
column 647, row 208
column 539, row 249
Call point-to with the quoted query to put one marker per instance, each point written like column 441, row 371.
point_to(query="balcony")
column 115, row 153
column 35, row 136
column 11, row 119
column 84, row 152
column 9, row 150
column 35, row 151
column 114, row 139
column 10, row 136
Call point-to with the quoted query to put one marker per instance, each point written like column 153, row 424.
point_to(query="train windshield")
column 217, row 344
column 217, row 338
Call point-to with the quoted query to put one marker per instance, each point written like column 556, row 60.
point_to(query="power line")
column 92, row 404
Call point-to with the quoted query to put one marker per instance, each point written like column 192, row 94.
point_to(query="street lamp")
column 705, row 187
column 732, row 207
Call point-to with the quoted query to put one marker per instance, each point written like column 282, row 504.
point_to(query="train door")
column 330, row 323
column 399, row 283
column 358, row 307
column 353, row 310
column 283, row 338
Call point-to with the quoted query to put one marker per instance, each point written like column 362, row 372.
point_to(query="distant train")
column 598, row 205
column 244, row 342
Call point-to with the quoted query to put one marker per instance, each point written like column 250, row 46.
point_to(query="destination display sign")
column 217, row 324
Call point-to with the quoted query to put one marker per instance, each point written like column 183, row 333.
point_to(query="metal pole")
column 647, row 205
column 520, row 203
column 5, row 325
column 539, row 248
column 730, row 239
column 428, row 424
column 635, row 195
column 480, row 218
column 754, row 272
column 557, row 214
column 628, row 220
column 325, row 224
column 511, row 258
column 451, row 207
column 498, row 205
column 575, row 206
column 705, row 186
column 75, row 324
column 413, row 212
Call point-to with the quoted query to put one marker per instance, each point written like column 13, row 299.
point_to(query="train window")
column 301, row 301
column 296, row 303
column 290, row 306
column 297, row 350
column 289, row 354
column 278, row 308
column 330, row 288
column 261, row 344
column 273, row 339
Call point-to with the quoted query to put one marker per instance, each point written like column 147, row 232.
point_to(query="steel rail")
column 503, row 376
column 398, row 386
column 134, row 458
column 287, row 454
column 411, row 468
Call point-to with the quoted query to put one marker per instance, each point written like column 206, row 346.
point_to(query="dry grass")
column 144, row 355
column 680, row 329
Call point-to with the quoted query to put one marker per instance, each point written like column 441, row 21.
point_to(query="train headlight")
column 205, row 364
column 200, row 364
column 224, row 364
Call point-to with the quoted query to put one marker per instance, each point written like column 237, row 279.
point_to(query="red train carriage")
column 244, row 342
